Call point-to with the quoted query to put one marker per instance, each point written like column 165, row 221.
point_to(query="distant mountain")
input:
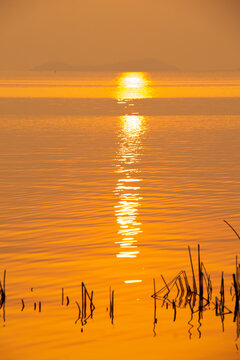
column 137, row 65
column 54, row 66
column 145, row 65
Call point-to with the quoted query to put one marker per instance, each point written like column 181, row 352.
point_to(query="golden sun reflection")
column 128, row 184
column 133, row 85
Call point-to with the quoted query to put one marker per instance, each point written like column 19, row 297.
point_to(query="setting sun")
column 133, row 80
column 133, row 85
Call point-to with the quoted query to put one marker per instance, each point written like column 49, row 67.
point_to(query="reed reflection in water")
column 128, row 185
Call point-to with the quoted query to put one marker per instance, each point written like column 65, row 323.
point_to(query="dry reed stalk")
column 236, row 311
column 4, row 281
column 155, row 304
column 200, row 276
column 175, row 310
column 181, row 286
column 83, row 301
column 237, row 275
column 231, row 227
column 111, row 304
column 178, row 291
column 187, row 283
column 222, row 292
column 166, row 285
column 62, row 296
column 3, row 292
column 91, row 304
column 207, row 280
column 194, row 280
column 79, row 312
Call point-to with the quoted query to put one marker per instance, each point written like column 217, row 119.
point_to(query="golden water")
column 104, row 181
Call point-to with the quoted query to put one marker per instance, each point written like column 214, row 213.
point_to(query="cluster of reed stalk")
column 183, row 293
column 179, row 293
column 85, row 308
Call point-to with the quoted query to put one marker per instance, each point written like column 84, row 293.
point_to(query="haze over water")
column 106, row 179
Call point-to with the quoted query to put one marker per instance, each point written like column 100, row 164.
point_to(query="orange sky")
column 192, row 35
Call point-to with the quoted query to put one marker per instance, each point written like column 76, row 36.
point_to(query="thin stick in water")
column 231, row 227
column 62, row 296
column 79, row 312
column 194, row 281
column 23, row 305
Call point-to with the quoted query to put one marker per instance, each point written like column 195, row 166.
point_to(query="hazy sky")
column 192, row 35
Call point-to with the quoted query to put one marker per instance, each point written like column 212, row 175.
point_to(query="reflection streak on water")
column 130, row 86
column 132, row 281
column 128, row 186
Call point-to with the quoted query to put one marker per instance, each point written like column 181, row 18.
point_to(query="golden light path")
column 128, row 184
column 130, row 86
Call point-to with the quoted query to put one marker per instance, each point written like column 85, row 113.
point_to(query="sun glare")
column 133, row 85
column 133, row 80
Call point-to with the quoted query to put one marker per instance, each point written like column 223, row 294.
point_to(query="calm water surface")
column 107, row 179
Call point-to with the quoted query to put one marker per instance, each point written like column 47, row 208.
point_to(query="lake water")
column 107, row 179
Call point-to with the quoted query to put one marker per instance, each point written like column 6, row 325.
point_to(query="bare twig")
column 232, row 229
